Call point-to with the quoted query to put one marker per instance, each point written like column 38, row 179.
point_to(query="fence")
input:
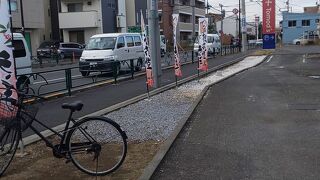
column 67, row 80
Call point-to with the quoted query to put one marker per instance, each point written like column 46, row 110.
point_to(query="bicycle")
column 95, row 145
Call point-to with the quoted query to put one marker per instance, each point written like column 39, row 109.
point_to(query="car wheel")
column 61, row 55
column 139, row 65
column 298, row 43
column 85, row 73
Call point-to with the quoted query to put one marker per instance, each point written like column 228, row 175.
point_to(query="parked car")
column 259, row 42
column 300, row 41
column 22, row 57
column 213, row 44
column 103, row 50
column 63, row 49
column 45, row 48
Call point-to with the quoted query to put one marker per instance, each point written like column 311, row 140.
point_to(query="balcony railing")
column 85, row 19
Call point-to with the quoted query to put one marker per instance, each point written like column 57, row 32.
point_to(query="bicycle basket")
column 28, row 113
column 8, row 112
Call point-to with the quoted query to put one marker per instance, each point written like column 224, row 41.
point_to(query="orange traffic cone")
column 73, row 57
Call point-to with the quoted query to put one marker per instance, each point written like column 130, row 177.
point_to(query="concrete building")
column 37, row 21
column 295, row 25
column 81, row 19
column 230, row 25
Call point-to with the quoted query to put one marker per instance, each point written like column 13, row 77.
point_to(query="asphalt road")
column 99, row 98
column 261, row 124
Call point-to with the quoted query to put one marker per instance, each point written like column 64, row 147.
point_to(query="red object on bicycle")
column 7, row 111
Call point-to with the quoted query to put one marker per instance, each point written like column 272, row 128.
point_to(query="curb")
column 152, row 166
column 34, row 138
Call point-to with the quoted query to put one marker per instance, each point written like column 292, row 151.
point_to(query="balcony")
column 85, row 19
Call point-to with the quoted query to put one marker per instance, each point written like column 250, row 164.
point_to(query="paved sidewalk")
column 261, row 124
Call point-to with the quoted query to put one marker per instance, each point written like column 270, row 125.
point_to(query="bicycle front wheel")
column 97, row 145
column 9, row 140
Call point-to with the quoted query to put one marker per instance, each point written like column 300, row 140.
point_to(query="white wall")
column 230, row 26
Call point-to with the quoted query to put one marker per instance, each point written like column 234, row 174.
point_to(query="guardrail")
column 66, row 80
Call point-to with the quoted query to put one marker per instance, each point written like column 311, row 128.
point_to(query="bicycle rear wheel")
column 9, row 140
column 97, row 145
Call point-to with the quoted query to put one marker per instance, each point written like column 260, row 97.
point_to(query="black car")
column 63, row 49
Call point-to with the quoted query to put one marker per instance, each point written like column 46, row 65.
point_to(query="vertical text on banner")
column 177, row 64
column 7, row 75
column 203, row 51
column 146, row 51
column 269, row 16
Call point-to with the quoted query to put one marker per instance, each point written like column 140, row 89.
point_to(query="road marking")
column 52, row 80
column 269, row 59
column 304, row 58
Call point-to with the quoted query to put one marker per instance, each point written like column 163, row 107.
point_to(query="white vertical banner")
column 177, row 64
column 203, row 39
column 146, row 50
column 7, row 72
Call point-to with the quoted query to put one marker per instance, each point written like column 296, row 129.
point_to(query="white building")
column 230, row 25
column 81, row 19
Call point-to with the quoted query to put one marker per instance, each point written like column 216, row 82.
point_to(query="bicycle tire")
column 9, row 140
column 83, row 151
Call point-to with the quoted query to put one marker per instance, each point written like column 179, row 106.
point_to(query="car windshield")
column 101, row 43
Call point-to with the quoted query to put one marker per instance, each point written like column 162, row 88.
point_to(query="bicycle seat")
column 75, row 106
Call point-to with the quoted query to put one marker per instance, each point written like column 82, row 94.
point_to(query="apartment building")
column 37, row 21
column 80, row 19
column 185, row 25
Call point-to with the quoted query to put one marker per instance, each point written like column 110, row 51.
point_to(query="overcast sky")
column 253, row 8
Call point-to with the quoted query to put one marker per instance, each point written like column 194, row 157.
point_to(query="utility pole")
column 221, row 6
column 22, row 18
column 239, row 23
column 288, row 5
column 193, row 18
column 193, row 4
column 244, row 27
column 154, row 37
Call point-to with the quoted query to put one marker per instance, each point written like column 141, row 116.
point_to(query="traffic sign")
column 269, row 41
column 235, row 11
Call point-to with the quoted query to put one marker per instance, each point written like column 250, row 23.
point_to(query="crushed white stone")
column 157, row 117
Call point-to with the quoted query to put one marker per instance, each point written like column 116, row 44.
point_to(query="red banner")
column 269, row 16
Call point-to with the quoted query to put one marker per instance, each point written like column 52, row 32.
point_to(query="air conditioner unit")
column 121, row 21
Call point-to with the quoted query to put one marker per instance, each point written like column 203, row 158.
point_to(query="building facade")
column 37, row 21
column 81, row 19
column 230, row 25
column 295, row 25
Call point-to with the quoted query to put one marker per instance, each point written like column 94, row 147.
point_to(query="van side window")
column 129, row 41
column 19, row 49
column 137, row 41
column 120, row 43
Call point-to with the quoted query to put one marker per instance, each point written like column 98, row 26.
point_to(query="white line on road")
column 53, row 80
column 304, row 58
column 269, row 59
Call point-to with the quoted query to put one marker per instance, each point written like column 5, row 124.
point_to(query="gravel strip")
column 157, row 117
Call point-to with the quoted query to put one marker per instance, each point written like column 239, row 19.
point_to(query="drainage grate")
column 304, row 107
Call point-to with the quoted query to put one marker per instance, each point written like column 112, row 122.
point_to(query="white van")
column 22, row 56
column 103, row 50
column 163, row 45
column 213, row 44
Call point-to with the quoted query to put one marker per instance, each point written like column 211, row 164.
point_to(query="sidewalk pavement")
column 261, row 124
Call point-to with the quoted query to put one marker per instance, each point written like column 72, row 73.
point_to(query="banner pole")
column 176, row 81
column 11, row 29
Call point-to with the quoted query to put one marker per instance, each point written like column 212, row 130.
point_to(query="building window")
column 14, row 5
column 292, row 23
column 305, row 22
column 185, row 2
column 317, row 21
column 185, row 18
column 75, row 7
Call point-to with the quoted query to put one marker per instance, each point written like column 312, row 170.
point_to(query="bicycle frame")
column 48, row 143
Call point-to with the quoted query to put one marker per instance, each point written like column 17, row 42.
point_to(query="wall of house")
column 291, row 33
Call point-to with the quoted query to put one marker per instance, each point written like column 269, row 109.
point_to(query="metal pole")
column 193, row 26
column 22, row 18
column 154, row 36
column 221, row 19
column 244, row 31
column 239, row 24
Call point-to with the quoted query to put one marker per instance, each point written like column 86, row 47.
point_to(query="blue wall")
column 291, row 33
